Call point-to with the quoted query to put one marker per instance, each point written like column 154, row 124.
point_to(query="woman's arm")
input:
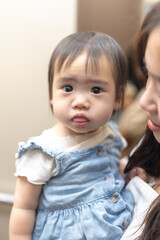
column 22, row 217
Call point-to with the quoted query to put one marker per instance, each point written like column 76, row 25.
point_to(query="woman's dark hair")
column 152, row 222
column 133, row 74
column 95, row 45
column 147, row 155
column 151, row 21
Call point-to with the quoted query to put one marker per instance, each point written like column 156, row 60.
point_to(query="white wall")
column 29, row 31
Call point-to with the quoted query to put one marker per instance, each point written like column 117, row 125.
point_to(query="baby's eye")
column 96, row 90
column 68, row 88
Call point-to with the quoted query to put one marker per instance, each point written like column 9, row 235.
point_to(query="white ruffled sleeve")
column 36, row 165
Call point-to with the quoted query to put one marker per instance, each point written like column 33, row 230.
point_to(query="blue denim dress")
column 85, row 199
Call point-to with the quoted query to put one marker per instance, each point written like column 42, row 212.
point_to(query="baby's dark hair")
column 95, row 45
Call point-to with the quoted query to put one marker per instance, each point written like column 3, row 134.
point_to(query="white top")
column 144, row 195
column 46, row 164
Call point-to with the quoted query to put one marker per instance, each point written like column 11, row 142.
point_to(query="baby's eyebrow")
column 98, row 81
column 88, row 80
column 64, row 79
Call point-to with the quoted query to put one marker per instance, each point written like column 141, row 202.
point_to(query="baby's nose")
column 81, row 101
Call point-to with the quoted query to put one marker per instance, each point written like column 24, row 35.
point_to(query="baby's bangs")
column 93, row 54
column 71, row 47
column 93, row 61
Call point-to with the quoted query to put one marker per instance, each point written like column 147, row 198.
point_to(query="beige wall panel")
column 29, row 31
column 118, row 18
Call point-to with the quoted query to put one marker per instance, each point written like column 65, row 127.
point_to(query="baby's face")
column 83, row 101
column 150, row 100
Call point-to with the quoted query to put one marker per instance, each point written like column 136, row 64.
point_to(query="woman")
column 147, row 156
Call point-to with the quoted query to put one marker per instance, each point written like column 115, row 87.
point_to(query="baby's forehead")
column 88, row 61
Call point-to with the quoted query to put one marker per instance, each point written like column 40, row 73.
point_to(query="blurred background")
column 30, row 30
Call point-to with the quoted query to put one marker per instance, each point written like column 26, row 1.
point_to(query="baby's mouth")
column 80, row 120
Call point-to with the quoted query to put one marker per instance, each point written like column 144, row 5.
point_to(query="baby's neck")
column 60, row 130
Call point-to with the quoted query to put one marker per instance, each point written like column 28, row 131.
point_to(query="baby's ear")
column 117, row 105
column 51, row 102
column 119, row 99
column 51, row 105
